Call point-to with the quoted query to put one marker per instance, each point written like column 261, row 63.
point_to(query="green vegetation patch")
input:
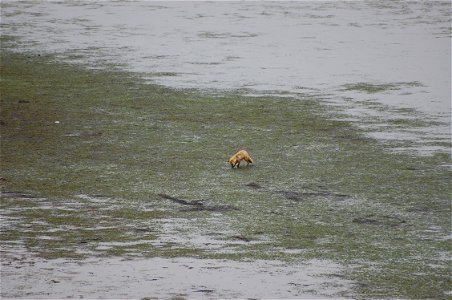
column 318, row 187
column 371, row 88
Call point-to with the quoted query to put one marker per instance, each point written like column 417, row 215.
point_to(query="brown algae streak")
column 89, row 152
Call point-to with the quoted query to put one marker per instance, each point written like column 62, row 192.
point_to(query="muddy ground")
column 99, row 166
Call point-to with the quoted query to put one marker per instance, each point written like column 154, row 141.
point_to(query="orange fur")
column 238, row 157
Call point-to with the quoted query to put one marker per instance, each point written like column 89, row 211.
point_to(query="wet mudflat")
column 102, row 170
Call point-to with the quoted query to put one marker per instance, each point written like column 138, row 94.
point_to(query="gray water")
column 298, row 49
column 178, row 278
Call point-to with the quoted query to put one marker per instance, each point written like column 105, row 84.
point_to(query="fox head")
column 232, row 161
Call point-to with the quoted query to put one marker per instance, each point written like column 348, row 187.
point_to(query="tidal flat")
column 101, row 165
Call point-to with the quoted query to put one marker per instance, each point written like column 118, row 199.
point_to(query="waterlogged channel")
column 112, row 187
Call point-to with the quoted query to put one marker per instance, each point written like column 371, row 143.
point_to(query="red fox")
column 238, row 157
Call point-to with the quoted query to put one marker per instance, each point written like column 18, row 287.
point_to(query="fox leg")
column 238, row 164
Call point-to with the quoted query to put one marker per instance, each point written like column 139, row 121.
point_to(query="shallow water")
column 312, row 48
column 158, row 278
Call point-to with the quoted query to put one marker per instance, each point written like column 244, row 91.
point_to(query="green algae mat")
column 100, row 163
